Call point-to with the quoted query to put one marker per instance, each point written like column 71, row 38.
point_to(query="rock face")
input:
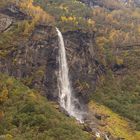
column 5, row 22
column 35, row 62
column 90, row 3
column 14, row 12
column 82, row 64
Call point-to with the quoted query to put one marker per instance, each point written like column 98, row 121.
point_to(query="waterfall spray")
column 66, row 98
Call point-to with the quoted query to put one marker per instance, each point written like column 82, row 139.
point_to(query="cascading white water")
column 66, row 98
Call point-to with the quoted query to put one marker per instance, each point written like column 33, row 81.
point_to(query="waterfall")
column 66, row 97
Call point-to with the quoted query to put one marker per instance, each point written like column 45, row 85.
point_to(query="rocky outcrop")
column 104, row 3
column 90, row 3
column 14, row 12
column 5, row 22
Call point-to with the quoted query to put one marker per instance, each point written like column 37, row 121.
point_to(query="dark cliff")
column 34, row 61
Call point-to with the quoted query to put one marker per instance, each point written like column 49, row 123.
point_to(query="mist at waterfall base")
column 67, row 99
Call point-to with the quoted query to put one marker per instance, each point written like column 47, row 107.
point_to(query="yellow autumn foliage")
column 3, row 95
column 63, row 7
column 68, row 19
column 36, row 12
column 119, row 61
column 101, row 41
column 1, row 115
column 91, row 22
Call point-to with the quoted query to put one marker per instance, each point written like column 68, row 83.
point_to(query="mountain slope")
column 115, row 124
column 25, row 114
column 102, row 45
column 115, row 47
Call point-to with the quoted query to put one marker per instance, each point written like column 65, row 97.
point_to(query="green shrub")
column 28, row 115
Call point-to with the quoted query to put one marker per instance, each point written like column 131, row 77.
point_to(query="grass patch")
column 121, row 95
column 115, row 124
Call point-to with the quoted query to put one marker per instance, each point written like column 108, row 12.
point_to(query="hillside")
column 103, row 50
column 116, row 46
column 25, row 114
